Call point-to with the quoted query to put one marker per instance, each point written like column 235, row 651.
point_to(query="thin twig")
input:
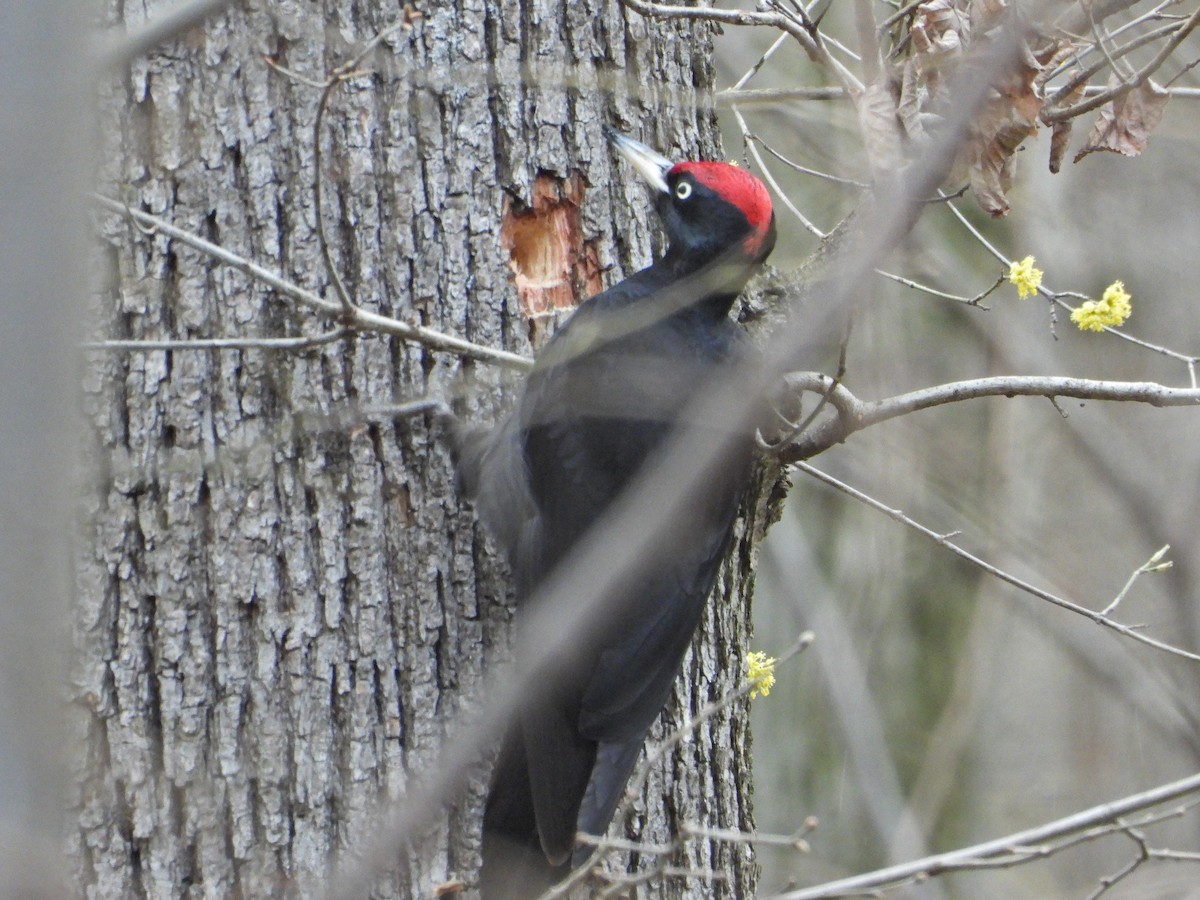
column 1154, row 564
column 361, row 319
column 1102, row 44
column 1154, row 14
column 1176, row 855
column 1022, row 845
column 795, row 841
column 293, row 75
column 1083, row 75
column 770, row 179
column 837, row 179
column 761, row 96
column 798, row 428
column 117, row 52
column 975, row 301
column 727, row 17
column 155, row 224
column 757, row 67
column 301, row 342
column 335, row 278
column 625, row 845
column 342, row 73
column 621, row 882
column 811, row 41
column 899, row 14
column 944, row 540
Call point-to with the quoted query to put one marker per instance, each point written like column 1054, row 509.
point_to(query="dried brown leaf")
column 1060, row 139
column 1125, row 124
column 881, row 131
column 939, row 32
column 991, row 172
column 988, row 13
column 912, row 96
column 1060, row 133
column 1003, row 124
column 937, row 35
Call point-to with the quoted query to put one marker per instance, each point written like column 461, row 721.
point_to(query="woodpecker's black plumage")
column 604, row 395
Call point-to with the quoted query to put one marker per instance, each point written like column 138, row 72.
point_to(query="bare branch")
column 1142, row 856
column 855, row 414
column 348, row 306
column 728, row 17
column 1055, row 297
column 302, row 342
column 773, row 96
column 944, row 540
column 360, row 319
column 342, row 73
column 762, row 167
column 1014, row 847
column 1154, row 564
column 794, row 841
column 809, row 40
column 1083, row 75
column 976, row 301
column 749, row 137
column 762, row 61
column 258, row 273
column 622, row 844
column 1139, row 78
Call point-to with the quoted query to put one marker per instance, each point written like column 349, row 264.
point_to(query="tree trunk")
column 282, row 601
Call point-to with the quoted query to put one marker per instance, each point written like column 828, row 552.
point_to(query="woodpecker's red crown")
column 737, row 187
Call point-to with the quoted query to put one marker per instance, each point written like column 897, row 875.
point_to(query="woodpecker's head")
column 711, row 210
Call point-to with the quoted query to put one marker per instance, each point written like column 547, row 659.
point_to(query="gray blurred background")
column 939, row 706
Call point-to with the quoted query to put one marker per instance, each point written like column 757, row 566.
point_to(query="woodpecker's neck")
column 710, row 282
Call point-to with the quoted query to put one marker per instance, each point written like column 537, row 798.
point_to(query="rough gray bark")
column 282, row 600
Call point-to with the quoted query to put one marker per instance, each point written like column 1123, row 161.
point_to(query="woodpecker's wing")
column 624, row 671
column 635, row 669
column 590, row 420
column 610, row 774
column 492, row 472
column 633, row 677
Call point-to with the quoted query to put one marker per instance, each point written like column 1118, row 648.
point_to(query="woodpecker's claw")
column 650, row 164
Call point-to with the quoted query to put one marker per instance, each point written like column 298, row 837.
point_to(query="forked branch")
column 854, row 414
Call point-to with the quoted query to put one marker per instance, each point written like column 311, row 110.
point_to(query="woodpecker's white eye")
column 683, row 190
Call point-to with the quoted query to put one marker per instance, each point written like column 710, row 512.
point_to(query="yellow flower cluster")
column 760, row 669
column 1025, row 277
column 1111, row 310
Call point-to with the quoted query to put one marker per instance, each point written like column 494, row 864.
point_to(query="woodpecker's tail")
column 514, row 865
column 614, row 765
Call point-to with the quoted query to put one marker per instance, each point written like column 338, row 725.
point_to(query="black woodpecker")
column 605, row 393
